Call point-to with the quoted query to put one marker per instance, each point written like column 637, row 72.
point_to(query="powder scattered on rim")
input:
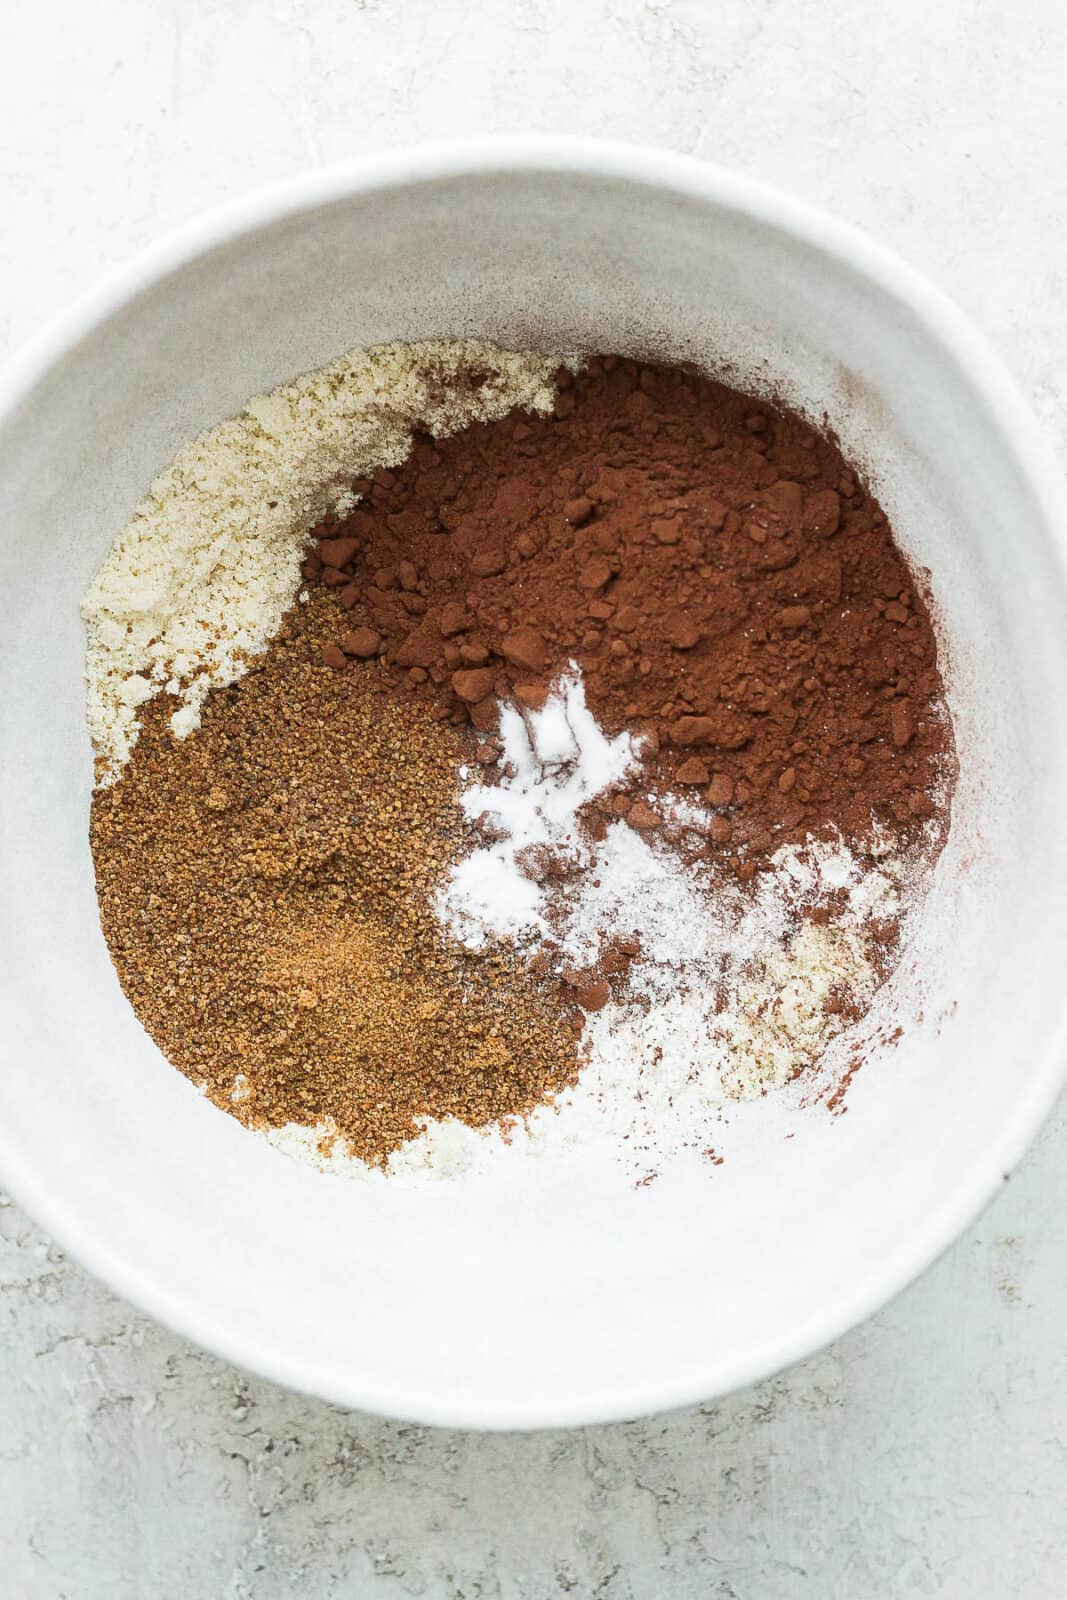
column 204, row 571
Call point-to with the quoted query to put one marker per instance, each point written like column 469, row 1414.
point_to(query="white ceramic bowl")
column 559, row 1295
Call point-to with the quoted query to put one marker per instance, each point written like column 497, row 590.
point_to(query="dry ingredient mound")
column 265, row 889
column 315, row 904
column 203, row 573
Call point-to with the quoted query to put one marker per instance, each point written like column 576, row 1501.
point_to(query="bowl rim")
column 985, row 374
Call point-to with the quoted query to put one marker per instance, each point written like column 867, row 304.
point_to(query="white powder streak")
column 560, row 759
column 728, row 999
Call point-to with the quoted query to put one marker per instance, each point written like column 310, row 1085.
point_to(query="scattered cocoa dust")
column 265, row 892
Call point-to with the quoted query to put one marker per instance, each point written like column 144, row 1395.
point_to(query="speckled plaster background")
column 926, row 1453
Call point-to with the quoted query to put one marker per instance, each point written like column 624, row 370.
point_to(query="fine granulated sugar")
column 544, row 758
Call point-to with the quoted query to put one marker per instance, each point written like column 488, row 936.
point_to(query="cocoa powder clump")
column 716, row 569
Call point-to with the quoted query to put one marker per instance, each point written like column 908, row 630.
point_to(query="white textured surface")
column 925, row 1454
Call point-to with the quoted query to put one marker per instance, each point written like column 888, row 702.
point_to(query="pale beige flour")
column 207, row 566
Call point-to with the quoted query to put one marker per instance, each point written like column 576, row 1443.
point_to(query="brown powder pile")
column 722, row 578
column 265, row 890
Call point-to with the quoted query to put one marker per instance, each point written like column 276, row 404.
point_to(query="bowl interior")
column 558, row 1292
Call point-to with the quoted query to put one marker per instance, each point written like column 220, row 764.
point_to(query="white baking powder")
column 555, row 761
column 728, row 999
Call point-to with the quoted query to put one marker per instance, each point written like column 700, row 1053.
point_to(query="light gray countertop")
column 925, row 1454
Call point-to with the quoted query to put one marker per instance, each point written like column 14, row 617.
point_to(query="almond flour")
column 204, row 571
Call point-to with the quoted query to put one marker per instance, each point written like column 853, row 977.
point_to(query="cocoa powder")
column 724, row 580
